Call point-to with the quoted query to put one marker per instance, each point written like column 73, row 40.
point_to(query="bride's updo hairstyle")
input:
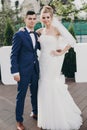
column 47, row 9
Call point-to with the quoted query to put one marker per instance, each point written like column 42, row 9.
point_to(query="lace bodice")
column 48, row 62
column 49, row 43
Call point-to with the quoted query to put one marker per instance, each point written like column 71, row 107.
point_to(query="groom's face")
column 30, row 21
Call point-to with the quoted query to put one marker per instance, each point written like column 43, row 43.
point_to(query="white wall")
column 6, row 76
column 81, row 59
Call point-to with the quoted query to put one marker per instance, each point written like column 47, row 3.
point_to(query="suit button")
column 34, row 62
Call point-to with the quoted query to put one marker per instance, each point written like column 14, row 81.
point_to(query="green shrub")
column 71, row 30
column 8, row 34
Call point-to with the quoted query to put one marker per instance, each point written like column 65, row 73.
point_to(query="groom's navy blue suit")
column 25, row 61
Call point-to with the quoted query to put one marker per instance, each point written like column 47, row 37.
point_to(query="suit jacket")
column 23, row 56
column 69, row 63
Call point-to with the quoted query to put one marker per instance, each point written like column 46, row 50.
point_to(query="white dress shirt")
column 32, row 37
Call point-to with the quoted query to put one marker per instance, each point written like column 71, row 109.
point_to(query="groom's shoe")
column 34, row 116
column 20, row 126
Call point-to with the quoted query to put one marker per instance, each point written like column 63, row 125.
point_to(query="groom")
column 25, row 66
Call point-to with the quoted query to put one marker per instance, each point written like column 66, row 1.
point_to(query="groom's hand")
column 17, row 78
column 21, row 29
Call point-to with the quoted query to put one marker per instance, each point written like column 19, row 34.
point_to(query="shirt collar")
column 28, row 29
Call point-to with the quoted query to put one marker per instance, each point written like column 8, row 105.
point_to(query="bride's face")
column 46, row 19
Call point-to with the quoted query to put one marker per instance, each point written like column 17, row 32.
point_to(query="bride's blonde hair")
column 47, row 9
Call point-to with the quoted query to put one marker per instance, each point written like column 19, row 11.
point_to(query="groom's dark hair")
column 29, row 12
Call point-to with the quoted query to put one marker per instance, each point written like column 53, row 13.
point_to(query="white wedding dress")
column 56, row 108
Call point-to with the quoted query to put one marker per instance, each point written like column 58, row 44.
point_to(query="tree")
column 67, row 8
column 11, row 15
column 16, row 6
column 2, row 2
column 8, row 34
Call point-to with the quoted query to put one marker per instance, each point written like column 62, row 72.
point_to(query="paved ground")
column 7, row 106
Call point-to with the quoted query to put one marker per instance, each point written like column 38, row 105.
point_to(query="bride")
column 56, row 108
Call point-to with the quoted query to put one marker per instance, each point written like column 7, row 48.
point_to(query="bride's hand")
column 56, row 53
column 21, row 29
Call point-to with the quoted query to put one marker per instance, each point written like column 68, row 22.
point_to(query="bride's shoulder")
column 57, row 32
column 39, row 31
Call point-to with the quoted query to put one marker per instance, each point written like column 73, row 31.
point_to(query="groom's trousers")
column 25, row 81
